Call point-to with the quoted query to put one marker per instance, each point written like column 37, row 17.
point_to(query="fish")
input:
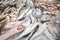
column 40, row 30
column 11, row 25
column 10, row 33
column 22, row 15
column 2, row 17
column 27, row 30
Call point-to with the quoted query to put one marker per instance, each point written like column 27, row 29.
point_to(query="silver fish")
column 27, row 30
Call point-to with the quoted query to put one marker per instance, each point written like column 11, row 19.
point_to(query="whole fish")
column 27, row 30
column 10, row 33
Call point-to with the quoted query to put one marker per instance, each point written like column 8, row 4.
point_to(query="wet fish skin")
column 27, row 30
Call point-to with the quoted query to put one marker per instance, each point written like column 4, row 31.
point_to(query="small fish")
column 10, row 33
column 2, row 8
column 50, row 36
column 2, row 17
column 27, row 30
column 41, row 29
column 22, row 15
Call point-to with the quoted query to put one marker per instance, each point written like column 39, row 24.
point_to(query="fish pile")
column 29, row 19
